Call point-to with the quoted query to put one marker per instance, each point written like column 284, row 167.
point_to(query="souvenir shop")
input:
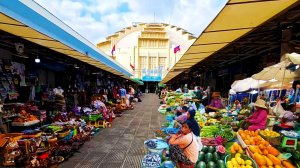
column 50, row 103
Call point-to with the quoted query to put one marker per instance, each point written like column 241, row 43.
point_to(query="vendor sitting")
column 287, row 119
column 216, row 103
column 236, row 106
column 183, row 117
column 184, row 146
column 258, row 119
column 194, row 124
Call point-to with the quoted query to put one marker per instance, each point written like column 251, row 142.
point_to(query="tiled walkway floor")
column 122, row 145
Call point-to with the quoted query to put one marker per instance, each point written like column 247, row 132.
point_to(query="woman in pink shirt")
column 258, row 119
column 184, row 146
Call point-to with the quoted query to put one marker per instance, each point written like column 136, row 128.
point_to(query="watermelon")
column 208, row 157
column 211, row 149
column 221, row 164
column 216, row 156
column 220, row 149
column 201, row 156
column 201, row 164
column 204, row 149
column 211, row 164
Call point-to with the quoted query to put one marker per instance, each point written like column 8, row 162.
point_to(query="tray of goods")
column 211, row 156
column 272, row 137
column 240, row 160
column 63, row 133
column 247, row 138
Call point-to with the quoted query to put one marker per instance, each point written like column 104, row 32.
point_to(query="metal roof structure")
column 237, row 19
column 30, row 21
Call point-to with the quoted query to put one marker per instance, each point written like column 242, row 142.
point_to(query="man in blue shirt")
column 123, row 95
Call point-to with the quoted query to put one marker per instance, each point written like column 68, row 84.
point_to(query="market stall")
column 225, row 144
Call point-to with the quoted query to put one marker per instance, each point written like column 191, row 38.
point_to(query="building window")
column 143, row 62
column 162, row 62
column 152, row 62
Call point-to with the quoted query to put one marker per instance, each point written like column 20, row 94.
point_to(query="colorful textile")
column 177, row 154
column 258, row 120
column 216, row 103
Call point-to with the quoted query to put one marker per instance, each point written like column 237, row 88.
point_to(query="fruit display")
column 269, row 133
column 211, row 157
column 239, row 160
column 236, row 148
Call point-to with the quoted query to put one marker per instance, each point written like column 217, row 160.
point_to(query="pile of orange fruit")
column 252, row 137
column 263, row 153
column 236, row 148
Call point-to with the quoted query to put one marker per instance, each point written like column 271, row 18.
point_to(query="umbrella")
column 276, row 85
column 294, row 57
column 277, row 72
column 246, row 84
column 232, row 92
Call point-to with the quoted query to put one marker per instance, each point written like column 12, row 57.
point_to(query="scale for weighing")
column 290, row 142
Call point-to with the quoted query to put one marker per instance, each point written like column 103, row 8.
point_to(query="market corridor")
column 122, row 145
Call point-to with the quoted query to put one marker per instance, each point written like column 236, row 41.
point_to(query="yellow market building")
column 149, row 50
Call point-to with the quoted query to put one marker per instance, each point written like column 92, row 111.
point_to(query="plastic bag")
column 199, row 143
column 201, row 109
column 278, row 110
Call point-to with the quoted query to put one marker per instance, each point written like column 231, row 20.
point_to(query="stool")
column 102, row 124
column 289, row 142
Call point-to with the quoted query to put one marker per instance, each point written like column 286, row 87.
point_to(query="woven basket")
column 276, row 141
column 63, row 134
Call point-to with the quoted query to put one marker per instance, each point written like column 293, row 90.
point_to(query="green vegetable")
column 208, row 157
column 211, row 149
column 211, row 164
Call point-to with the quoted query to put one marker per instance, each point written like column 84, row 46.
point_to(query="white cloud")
column 96, row 19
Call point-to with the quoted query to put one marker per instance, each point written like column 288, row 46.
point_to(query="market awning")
column 235, row 20
column 28, row 20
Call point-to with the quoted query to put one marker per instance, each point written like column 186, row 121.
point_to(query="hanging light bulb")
column 37, row 60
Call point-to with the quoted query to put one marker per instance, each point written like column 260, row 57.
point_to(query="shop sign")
column 152, row 74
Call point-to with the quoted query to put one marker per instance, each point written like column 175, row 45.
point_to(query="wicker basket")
column 63, row 134
column 276, row 141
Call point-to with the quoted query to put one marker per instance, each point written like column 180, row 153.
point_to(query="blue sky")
column 97, row 19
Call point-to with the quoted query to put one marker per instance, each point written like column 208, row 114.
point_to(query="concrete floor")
column 122, row 145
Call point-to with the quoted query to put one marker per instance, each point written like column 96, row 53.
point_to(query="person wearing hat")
column 258, row 119
column 215, row 103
